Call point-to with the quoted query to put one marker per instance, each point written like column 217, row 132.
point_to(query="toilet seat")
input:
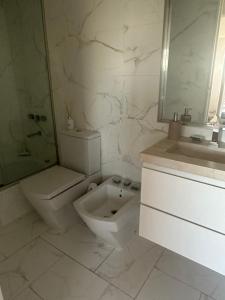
column 51, row 182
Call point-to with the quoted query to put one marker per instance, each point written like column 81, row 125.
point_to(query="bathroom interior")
column 112, row 150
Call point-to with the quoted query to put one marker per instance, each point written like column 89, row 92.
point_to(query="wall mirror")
column 193, row 62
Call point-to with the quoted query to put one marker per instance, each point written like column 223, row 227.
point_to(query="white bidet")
column 111, row 211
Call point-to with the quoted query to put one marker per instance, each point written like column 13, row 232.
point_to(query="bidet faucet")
column 218, row 136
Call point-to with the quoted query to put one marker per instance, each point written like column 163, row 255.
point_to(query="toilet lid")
column 51, row 182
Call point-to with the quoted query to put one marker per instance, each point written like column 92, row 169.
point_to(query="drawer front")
column 190, row 200
column 199, row 244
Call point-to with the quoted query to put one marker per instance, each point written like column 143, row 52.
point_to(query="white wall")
column 105, row 65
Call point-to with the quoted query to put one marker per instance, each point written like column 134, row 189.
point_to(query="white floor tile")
column 162, row 287
column 55, row 276
column 193, row 274
column 18, row 234
column 26, row 265
column 205, row 297
column 219, row 292
column 128, row 269
column 69, row 280
column 81, row 244
column 112, row 293
column 28, row 294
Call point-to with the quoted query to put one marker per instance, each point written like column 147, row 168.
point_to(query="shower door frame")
column 49, row 78
column 44, row 25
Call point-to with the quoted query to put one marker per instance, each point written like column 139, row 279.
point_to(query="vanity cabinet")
column 185, row 216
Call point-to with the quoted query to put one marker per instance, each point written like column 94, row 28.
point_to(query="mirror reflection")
column 192, row 73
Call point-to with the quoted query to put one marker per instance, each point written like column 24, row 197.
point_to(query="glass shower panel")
column 27, row 139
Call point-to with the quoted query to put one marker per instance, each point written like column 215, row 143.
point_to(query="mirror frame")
column 165, row 61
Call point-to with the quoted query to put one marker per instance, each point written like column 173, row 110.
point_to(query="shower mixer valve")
column 37, row 118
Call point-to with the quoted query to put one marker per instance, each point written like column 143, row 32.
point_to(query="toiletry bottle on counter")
column 70, row 123
column 174, row 132
column 186, row 117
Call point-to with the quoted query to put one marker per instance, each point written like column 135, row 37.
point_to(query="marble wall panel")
column 105, row 66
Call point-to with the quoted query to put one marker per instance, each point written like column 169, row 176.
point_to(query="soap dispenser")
column 174, row 132
column 186, row 117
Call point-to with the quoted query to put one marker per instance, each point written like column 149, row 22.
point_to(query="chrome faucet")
column 218, row 136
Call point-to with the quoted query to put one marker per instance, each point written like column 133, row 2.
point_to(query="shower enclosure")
column 27, row 137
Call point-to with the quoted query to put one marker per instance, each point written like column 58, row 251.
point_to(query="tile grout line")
column 149, row 273
column 20, row 249
column 23, row 246
column 206, row 296
column 90, row 270
column 66, row 254
column 111, row 252
column 112, row 284
column 185, row 283
column 30, row 282
column 36, row 293
column 40, row 237
column 26, row 285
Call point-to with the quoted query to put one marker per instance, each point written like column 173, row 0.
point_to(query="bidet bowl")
column 111, row 211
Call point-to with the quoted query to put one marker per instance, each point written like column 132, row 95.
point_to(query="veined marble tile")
column 144, row 54
column 81, row 244
column 112, row 293
column 193, row 274
column 13, row 205
column 128, row 269
column 69, row 280
column 28, row 294
column 141, row 12
column 105, row 62
column 219, row 291
column 205, row 297
column 18, row 234
column 162, row 287
column 26, row 265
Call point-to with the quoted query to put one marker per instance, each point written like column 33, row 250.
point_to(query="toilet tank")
column 80, row 151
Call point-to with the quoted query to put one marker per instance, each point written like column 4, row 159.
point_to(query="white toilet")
column 52, row 191
column 111, row 211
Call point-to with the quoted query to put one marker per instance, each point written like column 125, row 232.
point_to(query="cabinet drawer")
column 190, row 200
column 192, row 241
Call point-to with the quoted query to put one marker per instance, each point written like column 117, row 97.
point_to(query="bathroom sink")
column 206, row 152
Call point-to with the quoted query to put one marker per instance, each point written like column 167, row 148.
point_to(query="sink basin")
column 199, row 151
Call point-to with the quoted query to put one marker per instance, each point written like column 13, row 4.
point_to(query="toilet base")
column 59, row 212
column 59, row 221
column 119, row 239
